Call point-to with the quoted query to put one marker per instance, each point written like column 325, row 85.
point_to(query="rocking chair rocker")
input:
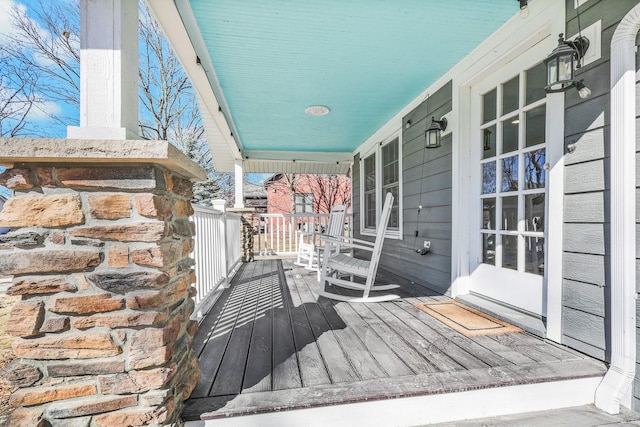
column 335, row 264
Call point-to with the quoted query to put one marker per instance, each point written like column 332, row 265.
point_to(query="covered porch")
column 272, row 353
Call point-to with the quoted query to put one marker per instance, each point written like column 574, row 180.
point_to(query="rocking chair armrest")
column 348, row 242
column 306, row 233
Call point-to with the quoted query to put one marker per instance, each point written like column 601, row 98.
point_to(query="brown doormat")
column 466, row 320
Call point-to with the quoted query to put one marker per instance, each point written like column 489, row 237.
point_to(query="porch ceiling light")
column 562, row 64
column 317, row 110
column 432, row 135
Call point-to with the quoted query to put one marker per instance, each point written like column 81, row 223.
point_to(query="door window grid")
column 513, row 177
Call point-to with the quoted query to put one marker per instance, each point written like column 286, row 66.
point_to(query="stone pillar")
column 102, row 238
column 247, row 232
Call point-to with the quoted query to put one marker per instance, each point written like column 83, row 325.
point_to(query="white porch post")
column 617, row 386
column 239, row 185
column 108, row 70
column 219, row 205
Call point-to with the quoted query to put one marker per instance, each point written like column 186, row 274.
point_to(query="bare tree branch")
column 44, row 51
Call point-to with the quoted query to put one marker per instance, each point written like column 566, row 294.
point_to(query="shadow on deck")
column 268, row 345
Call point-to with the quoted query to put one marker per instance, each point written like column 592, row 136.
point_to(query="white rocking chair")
column 307, row 251
column 335, row 264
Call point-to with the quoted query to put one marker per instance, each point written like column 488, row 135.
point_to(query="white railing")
column 216, row 252
column 277, row 234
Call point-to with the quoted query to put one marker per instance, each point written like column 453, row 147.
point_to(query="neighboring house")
column 255, row 196
column 529, row 202
column 312, row 193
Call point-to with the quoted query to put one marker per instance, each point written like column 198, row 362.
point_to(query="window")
column 369, row 183
column 380, row 174
column 513, row 181
column 304, row 203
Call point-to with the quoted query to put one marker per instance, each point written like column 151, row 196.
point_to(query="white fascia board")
column 173, row 26
column 306, row 156
column 297, row 162
column 496, row 50
column 288, row 166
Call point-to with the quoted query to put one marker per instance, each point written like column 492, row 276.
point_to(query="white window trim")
column 377, row 150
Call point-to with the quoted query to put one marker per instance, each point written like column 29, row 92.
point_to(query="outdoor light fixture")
column 583, row 91
column 562, row 64
column 524, row 8
column 432, row 135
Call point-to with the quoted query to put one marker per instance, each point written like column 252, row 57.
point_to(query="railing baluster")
column 217, row 249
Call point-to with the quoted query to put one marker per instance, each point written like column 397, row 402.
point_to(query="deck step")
column 223, row 407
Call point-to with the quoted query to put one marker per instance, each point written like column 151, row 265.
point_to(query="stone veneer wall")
column 101, row 262
column 246, row 233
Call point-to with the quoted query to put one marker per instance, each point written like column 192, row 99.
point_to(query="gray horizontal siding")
column 586, row 238
column 586, row 201
column 426, row 180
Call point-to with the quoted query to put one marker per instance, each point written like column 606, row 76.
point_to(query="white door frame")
column 537, row 37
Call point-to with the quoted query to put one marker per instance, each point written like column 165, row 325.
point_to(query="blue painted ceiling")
column 364, row 59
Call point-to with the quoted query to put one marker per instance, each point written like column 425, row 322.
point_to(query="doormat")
column 466, row 320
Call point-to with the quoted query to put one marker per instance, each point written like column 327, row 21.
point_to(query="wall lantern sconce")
column 432, row 135
column 562, row 64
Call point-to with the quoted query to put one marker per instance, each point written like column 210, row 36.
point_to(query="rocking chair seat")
column 336, row 264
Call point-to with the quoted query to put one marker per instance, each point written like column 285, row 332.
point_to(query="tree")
column 329, row 190
column 46, row 41
column 47, row 45
column 17, row 99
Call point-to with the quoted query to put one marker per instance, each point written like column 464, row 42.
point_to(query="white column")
column 239, row 185
column 108, row 70
column 617, row 386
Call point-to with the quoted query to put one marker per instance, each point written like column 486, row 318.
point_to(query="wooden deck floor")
column 268, row 345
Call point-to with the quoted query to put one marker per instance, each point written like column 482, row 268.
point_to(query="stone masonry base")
column 100, row 258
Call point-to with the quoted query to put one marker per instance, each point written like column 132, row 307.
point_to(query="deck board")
column 269, row 344
column 219, row 334
column 312, row 368
column 257, row 376
column 336, row 362
column 232, row 367
column 286, row 369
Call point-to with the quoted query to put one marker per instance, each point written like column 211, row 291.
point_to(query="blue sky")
column 39, row 122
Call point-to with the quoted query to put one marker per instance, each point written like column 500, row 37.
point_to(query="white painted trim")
column 108, row 87
column 239, row 185
column 554, row 210
column 377, row 150
column 594, row 33
column 530, row 51
column 412, row 411
column 617, row 385
column 461, row 186
column 303, row 156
